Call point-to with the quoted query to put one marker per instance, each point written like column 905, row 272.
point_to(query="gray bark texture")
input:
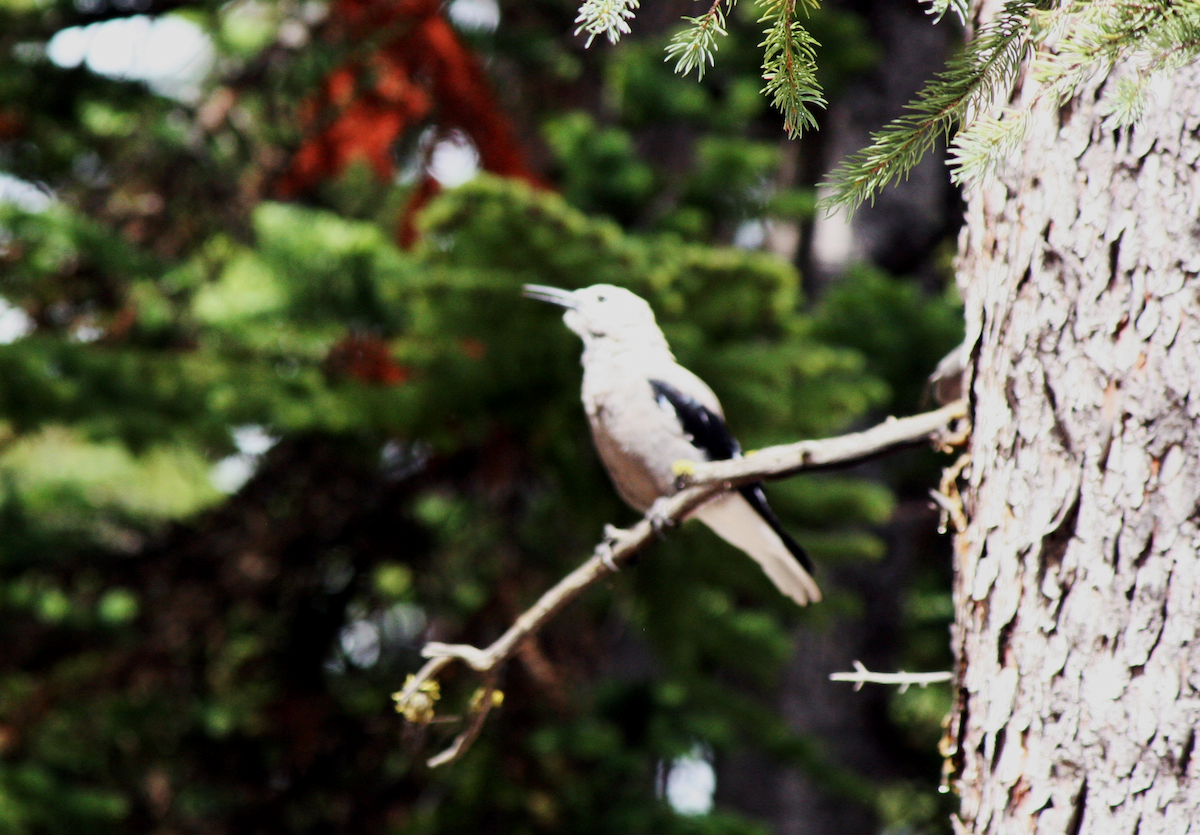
column 1078, row 582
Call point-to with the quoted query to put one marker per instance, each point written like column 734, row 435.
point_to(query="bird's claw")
column 606, row 557
column 659, row 519
column 611, row 534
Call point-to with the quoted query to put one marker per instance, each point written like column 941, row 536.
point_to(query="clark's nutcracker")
column 647, row 412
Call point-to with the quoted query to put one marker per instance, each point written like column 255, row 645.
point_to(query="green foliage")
column 902, row 334
column 717, row 180
column 789, row 50
column 481, row 363
column 60, row 467
column 58, row 241
column 605, row 174
column 644, row 93
column 715, row 177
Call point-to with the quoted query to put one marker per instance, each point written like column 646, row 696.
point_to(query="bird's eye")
column 601, row 298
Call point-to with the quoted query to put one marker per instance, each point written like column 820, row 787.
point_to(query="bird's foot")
column 658, row 517
column 611, row 534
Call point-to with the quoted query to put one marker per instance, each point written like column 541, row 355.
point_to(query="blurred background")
column 273, row 414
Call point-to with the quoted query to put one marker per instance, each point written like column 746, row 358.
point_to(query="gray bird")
column 647, row 412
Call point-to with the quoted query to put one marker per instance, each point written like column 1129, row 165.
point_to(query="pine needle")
column 987, row 68
column 790, row 65
column 696, row 46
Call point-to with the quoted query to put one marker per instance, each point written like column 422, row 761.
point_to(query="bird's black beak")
column 553, row 295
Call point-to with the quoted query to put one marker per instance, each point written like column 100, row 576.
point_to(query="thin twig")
column 948, row 497
column 482, row 705
column 619, row 546
column 862, row 675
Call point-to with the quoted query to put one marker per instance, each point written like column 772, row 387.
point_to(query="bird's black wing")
column 704, row 427
column 708, row 432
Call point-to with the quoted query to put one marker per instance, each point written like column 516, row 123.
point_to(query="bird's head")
column 601, row 311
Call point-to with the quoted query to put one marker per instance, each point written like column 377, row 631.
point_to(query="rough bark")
column 1078, row 583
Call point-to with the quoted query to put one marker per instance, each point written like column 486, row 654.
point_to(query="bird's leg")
column 658, row 516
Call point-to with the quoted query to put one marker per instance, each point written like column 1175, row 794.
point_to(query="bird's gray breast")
column 638, row 436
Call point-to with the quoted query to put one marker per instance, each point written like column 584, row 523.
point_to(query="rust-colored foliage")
column 415, row 71
column 12, row 123
column 365, row 358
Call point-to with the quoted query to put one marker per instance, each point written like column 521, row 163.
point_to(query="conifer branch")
column 417, row 700
column 969, row 84
column 789, row 50
column 1087, row 38
column 938, row 8
column 1072, row 42
column 790, row 65
column 789, row 56
column 1156, row 37
column 696, row 46
column 605, row 17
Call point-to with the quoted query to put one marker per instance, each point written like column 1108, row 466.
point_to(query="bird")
column 648, row 413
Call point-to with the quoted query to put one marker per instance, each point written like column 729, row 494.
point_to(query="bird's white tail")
column 733, row 519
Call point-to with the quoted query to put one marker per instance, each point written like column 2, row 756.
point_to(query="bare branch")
column 779, row 461
column 419, row 694
column 862, row 675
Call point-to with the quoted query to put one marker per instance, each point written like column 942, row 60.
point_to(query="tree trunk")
column 1078, row 584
